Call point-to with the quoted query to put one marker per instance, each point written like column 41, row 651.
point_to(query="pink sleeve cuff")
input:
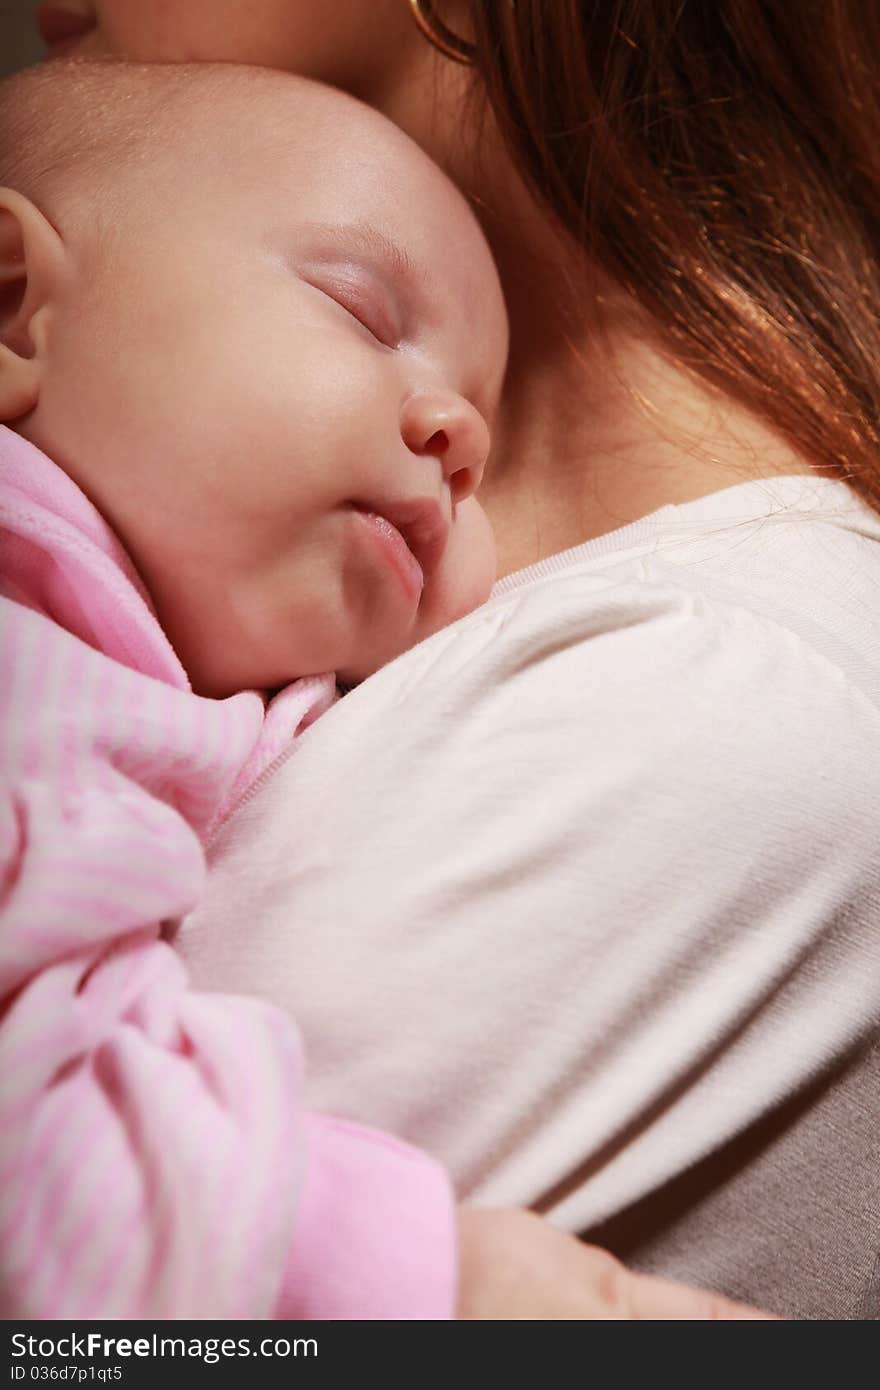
column 375, row 1230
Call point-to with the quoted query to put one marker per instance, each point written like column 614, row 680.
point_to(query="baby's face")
column 273, row 376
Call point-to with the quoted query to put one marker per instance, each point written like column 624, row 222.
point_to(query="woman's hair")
column 719, row 159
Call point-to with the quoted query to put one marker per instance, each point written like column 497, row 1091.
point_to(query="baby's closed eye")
column 367, row 303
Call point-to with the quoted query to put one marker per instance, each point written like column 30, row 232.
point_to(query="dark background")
column 19, row 41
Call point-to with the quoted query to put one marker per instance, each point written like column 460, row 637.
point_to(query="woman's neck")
column 596, row 428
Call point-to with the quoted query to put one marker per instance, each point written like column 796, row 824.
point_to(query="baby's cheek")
column 467, row 571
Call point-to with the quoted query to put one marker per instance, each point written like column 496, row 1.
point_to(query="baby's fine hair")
column 74, row 127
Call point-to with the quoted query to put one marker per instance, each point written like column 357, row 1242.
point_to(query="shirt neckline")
column 753, row 500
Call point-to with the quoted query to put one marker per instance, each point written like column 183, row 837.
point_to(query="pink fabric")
column 155, row 1160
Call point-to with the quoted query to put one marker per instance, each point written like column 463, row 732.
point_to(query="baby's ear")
column 31, row 264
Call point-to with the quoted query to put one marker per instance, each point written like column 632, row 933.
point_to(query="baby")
column 250, row 338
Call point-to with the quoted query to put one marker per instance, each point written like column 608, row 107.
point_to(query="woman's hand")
column 513, row 1265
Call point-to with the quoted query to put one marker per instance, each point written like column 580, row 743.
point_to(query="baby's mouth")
column 62, row 23
column 421, row 524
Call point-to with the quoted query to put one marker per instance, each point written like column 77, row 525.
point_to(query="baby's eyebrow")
column 365, row 242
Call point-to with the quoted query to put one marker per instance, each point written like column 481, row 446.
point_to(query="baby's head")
column 264, row 334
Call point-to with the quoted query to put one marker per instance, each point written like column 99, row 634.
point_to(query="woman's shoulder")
column 701, row 664
column 619, row 823
column 761, row 577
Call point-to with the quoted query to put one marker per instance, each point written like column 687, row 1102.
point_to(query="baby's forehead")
column 82, row 116
column 257, row 144
column 322, row 156
column 345, row 179
column 89, row 124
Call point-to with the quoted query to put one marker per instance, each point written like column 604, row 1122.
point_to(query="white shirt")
column 584, row 885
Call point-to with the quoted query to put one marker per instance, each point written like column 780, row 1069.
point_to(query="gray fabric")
column 786, row 1217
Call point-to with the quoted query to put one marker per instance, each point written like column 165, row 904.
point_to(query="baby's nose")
column 443, row 425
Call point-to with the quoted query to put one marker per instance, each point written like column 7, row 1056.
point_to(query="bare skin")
column 516, row 1267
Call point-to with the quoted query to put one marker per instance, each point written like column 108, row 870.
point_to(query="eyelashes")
column 366, row 305
column 369, row 320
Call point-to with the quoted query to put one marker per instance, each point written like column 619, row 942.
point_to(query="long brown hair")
column 720, row 159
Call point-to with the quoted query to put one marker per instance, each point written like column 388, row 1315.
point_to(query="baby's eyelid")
column 367, row 302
